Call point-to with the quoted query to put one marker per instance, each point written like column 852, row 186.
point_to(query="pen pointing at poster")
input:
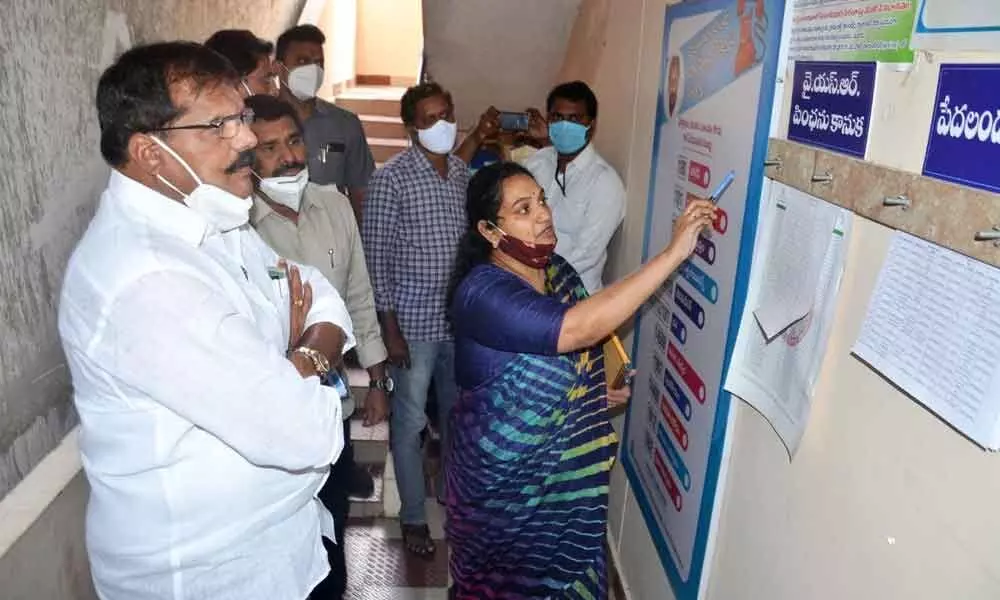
column 722, row 187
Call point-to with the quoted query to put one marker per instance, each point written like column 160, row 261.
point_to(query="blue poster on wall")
column 832, row 105
column 718, row 72
column 964, row 142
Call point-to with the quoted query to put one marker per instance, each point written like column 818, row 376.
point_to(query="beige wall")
column 502, row 53
column 882, row 500
column 339, row 21
column 390, row 38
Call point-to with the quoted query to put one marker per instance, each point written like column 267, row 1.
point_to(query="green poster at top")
column 852, row 30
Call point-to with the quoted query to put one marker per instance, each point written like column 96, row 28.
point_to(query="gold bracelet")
column 320, row 362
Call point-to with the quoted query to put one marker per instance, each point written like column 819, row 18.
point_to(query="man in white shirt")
column 196, row 357
column 585, row 193
column 314, row 224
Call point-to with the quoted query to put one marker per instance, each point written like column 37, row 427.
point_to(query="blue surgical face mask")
column 568, row 137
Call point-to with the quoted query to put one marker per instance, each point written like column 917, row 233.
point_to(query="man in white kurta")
column 205, row 432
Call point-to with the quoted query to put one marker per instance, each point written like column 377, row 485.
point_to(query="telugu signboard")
column 964, row 142
column 832, row 105
column 861, row 30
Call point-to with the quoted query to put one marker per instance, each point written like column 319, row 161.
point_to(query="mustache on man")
column 289, row 168
column 245, row 159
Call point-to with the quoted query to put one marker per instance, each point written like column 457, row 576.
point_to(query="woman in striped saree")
column 529, row 461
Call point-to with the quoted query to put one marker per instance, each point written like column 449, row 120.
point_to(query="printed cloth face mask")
column 536, row 256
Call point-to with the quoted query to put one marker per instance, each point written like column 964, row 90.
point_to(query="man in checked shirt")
column 413, row 219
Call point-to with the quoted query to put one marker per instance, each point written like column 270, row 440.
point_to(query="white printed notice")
column 800, row 231
column 777, row 375
column 933, row 329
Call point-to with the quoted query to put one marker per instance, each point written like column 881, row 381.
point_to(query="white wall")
column 883, row 500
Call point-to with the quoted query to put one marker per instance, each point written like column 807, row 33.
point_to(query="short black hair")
column 241, row 47
column 133, row 94
column 413, row 95
column 268, row 108
column 574, row 91
column 299, row 33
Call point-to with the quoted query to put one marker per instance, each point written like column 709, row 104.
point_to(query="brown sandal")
column 417, row 539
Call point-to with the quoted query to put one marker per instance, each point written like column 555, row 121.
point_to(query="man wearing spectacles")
column 252, row 58
column 196, row 353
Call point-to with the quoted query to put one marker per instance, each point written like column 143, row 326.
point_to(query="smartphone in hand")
column 513, row 121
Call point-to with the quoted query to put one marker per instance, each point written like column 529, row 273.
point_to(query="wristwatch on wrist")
column 386, row 384
column 320, row 362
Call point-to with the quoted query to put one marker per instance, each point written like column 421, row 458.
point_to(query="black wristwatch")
column 385, row 384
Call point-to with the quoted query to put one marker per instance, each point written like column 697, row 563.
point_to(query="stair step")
column 377, row 92
column 371, row 506
column 377, row 126
column 369, row 106
column 389, row 141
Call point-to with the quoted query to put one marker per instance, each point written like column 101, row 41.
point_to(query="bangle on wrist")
column 320, row 363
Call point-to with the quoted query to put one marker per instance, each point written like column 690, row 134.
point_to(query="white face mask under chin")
column 304, row 81
column 287, row 190
column 439, row 138
column 222, row 209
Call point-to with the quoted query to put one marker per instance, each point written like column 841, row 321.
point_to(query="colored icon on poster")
column 689, row 307
column 668, row 481
column 677, row 394
column 705, row 248
column 674, row 457
column 686, row 371
column 678, row 328
column 700, row 281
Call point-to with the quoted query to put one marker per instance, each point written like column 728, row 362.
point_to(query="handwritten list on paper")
column 933, row 329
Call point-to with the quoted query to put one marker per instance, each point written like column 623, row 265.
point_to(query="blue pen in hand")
column 722, row 187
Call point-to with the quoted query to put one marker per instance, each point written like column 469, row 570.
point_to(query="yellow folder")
column 616, row 363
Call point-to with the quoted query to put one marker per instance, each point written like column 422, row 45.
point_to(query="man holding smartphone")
column 585, row 193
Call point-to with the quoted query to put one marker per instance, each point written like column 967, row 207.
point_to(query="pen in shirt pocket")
column 327, row 148
column 330, row 252
column 277, row 274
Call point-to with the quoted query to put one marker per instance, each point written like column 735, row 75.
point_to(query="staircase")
column 371, row 450
column 378, row 109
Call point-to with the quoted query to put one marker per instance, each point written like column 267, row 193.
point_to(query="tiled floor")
column 379, row 568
